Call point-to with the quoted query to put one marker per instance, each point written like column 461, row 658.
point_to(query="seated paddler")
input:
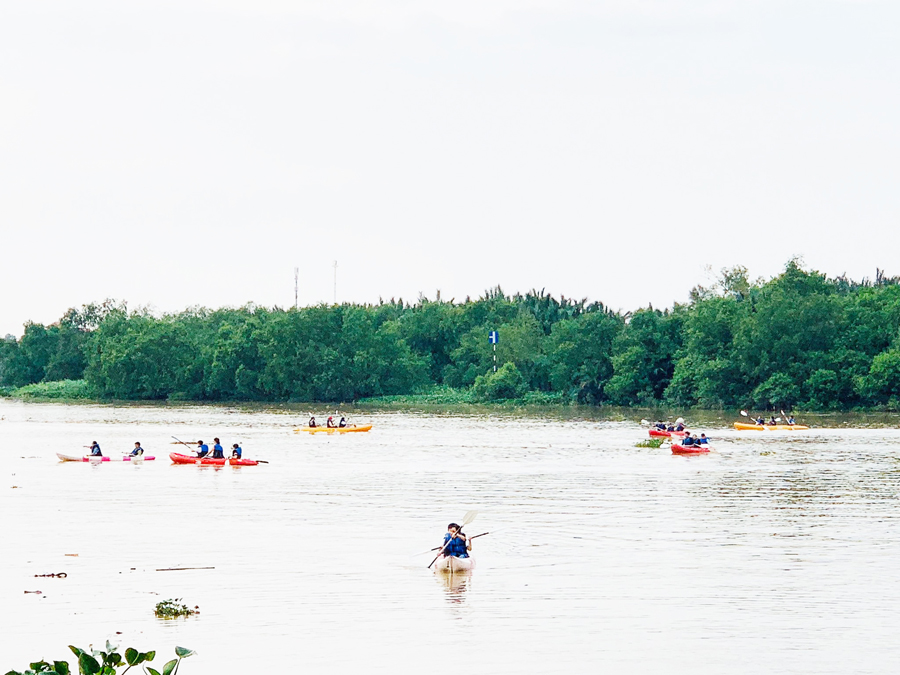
column 455, row 543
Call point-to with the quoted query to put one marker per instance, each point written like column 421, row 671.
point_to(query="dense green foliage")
column 106, row 662
column 798, row 340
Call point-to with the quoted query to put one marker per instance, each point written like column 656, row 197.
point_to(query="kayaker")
column 703, row 440
column 95, row 449
column 760, row 421
column 330, row 422
column 312, row 422
column 202, row 449
column 772, row 421
column 236, row 451
column 343, row 422
column 661, row 426
column 679, row 426
column 218, row 451
column 688, row 440
column 670, row 428
column 138, row 450
column 791, row 421
column 455, row 543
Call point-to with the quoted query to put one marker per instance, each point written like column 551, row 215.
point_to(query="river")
column 779, row 553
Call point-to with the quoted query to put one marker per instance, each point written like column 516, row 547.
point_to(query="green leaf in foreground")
column 184, row 652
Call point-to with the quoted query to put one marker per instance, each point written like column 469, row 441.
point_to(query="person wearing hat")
column 330, row 422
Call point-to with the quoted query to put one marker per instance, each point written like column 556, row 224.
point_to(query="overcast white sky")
column 193, row 153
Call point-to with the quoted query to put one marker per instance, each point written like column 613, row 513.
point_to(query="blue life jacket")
column 204, row 450
column 137, row 451
column 702, row 441
column 236, row 451
column 218, row 452
column 456, row 547
column 688, row 441
column 95, row 450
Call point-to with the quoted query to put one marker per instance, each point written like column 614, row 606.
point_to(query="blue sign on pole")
column 494, row 337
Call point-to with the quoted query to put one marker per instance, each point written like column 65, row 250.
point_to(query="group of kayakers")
column 218, row 452
column 665, row 426
column 689, row 440
column 772, row 422
column 329, row 423
column 94, row 447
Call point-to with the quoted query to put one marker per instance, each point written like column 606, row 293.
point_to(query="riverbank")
column 434, row 399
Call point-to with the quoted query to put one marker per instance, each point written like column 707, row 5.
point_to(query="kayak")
column 689, row 449
column 666, row 434
column 89, row 458
column 209, row 461
column 193, row 459
column 352, row 428
column 741, row 426
column 451, row 564
column 242, row 462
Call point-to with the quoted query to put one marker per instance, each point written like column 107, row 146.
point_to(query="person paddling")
column 455, row 543
column 312, row 422
column 772, row 422
column 760, row 421
column 218, row 451
column 138, row 450
column 330, row 422
column 202, row 450
column 236, row 451
column 342, row 423
column 791, row 420
column 688, row 440
column 95, row 449
column 703, row 440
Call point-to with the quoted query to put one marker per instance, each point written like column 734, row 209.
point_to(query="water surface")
column 778, row 554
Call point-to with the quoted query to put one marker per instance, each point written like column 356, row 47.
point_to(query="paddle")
column 192, row 449
column 468, row 518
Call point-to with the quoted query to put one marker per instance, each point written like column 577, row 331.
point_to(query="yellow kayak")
column 349, row 429
column 741, row 426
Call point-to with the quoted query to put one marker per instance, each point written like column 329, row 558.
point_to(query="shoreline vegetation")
column 799, row 341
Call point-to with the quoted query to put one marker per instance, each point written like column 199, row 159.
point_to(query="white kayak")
column 91, row 458
column 451, row 564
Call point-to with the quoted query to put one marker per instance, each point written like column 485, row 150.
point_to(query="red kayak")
column 209, row 461
column 242, row 462
column 193, row 459
column 689, row 449
column 667, row 434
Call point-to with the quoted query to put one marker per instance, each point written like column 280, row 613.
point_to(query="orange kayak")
column 349, row 429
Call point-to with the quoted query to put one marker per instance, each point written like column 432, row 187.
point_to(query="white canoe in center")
column 449, row 563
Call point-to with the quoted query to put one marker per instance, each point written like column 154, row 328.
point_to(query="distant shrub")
column 60, row 389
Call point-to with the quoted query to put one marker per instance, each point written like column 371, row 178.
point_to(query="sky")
column 175, row 154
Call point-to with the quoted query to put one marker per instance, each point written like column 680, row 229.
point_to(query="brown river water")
column 779, row 553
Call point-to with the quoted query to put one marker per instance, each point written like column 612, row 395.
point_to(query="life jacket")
column 312, row 422
column 456, row 547
column 688, row 441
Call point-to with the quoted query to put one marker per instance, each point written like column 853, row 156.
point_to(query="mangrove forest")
column 799, row 340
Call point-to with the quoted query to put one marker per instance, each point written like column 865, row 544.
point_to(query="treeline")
column 798, row 340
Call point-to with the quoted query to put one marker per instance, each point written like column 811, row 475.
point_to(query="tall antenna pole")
column 296, row 275
column 335, row 282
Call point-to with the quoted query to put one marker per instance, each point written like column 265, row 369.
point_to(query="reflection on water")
column 779, row 554
column 455, row 584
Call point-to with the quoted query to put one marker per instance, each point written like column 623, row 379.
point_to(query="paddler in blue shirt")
column 218, row 451
column 138, row 450
column 236, row 451
column 95, row 449
column 202, row 450
column 455, row 543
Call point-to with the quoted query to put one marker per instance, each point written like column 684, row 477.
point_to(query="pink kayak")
column 89, row 458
